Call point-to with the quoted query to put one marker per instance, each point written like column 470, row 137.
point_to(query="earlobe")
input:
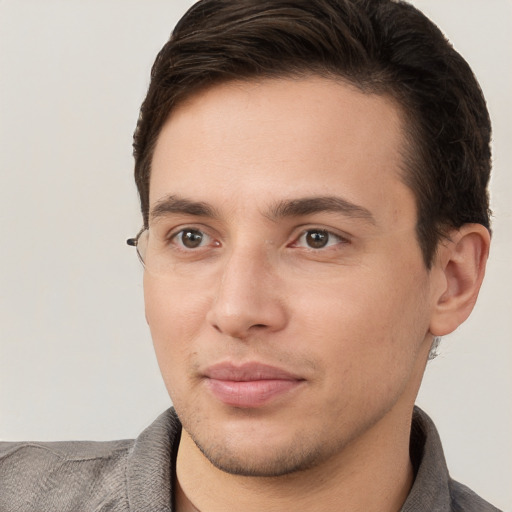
column 461, row 261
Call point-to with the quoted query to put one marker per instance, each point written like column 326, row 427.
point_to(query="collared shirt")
column 138, row 475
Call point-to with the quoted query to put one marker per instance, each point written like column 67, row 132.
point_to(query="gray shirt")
column 138, row 475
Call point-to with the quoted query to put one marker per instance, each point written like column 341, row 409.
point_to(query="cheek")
column 175, row 314
column 364, row 318
column 366, row 339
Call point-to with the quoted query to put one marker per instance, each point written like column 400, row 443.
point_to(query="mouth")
column 250, row 385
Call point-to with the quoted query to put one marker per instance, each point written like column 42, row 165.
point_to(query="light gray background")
column 76, row 360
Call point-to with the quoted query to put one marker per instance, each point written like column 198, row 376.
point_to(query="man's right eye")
column 189, row 238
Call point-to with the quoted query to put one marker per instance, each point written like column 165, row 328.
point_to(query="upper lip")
column 248, row 372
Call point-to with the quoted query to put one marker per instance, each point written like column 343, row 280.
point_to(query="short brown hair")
column 380, row 46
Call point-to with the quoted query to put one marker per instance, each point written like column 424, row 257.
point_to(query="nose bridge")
column 247, row 274
column 247, row 296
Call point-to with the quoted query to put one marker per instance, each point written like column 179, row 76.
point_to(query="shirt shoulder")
column 433, row 488
column 465, row 500
column 78, row 475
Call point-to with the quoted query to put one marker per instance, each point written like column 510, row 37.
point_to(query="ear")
column 460, row 263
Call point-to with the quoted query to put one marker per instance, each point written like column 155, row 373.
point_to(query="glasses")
column 140, row 242
column 153, row 251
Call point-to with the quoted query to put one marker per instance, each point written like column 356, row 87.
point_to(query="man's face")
column 291, row 312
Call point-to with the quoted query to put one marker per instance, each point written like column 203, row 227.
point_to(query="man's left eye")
column 318, row 239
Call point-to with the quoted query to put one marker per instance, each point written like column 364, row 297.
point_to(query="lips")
column 250, row 385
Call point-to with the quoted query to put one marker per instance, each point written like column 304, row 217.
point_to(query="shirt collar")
column 431, row 488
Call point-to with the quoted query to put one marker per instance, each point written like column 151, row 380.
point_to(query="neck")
column 374, row 473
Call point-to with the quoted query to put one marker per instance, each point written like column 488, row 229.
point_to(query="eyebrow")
column 174, row 204
column 311, row 205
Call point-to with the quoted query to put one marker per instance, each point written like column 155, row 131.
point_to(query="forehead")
column 259, row 141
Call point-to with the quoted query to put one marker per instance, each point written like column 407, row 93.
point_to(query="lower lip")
column 250, row 394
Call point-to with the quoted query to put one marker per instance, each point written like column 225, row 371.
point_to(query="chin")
column 249, row 443
column 260, row 460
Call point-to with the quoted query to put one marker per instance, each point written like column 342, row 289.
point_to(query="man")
column 313, row 181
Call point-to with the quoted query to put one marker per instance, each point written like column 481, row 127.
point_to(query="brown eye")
column 316, row 239
column 191, row 238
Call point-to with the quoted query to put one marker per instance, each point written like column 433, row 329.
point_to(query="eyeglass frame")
column 134, row 242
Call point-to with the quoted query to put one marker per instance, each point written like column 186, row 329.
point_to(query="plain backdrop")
column 76, row 360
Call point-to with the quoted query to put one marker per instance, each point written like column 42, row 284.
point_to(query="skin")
column 352, row 321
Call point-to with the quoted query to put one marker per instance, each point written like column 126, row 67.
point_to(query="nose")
column 248, row 298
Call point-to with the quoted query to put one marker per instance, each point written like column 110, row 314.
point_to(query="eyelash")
column 339, row 239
